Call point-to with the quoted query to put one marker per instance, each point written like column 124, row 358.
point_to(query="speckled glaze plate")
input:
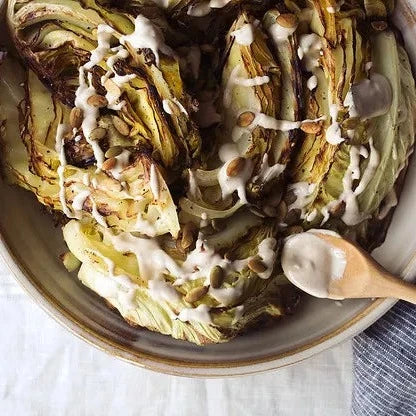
column 30, row 245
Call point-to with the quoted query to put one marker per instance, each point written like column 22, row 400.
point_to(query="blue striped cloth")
column 385, row 365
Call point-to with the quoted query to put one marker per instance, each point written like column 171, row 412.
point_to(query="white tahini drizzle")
column 373, row 163
column 228, row 295
column 333, row 133
column 97, row 216
column 117, row 288
column 154, row 181
column 312, row 82
column 146, row 35
column 268, row 254
column 204, row 220
column 162, row 290
column 230, row 184
column 204, row 8
column 153, row 261
column 113, row 94
column 349, row 102
column 311, row 263
column 239, row 312
column 234, row 79
column 312, row 215
column 86, row 90
column 281, row 33
column 90, row 112
column 122, row 288
column 268, row 122
column 167, row 106
column 122, row 161
column 309, row 50
column 104, row 35
column 144, row 227
column 79, row 199
column 244, row 35
column 352, row 214
column 267, row 173
column 303, row 192
column 389, row 202
column 198, row 314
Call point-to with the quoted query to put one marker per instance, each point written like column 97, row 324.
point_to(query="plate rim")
column 358, row 323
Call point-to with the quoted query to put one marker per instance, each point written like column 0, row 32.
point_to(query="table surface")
column 45, row 370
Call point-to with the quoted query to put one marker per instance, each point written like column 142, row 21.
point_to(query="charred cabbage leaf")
column 260, row 111
column 56, row 49
column 129, row 207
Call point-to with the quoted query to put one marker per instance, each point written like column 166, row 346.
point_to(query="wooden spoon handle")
column 388, row 286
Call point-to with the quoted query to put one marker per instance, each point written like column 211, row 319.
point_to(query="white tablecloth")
column 46, row 371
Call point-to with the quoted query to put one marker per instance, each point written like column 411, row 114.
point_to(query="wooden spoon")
column 362, row 277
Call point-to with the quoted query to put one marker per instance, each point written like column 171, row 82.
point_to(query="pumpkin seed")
column 256, row 265
column 310, row 127
column 245, row 119
column 216, row 277
column 195, row 294
column 98, row 133
column 97, row 101
column 113, row 151
column 76, row 117
column 235, row 166
column 109, row 163
column 121, row 126
column 112, row 88
column 287, row 20
column 187, row 235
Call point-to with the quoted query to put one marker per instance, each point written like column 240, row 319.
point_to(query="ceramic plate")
column 30, row 245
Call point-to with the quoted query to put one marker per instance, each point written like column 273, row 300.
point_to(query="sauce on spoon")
column 325, row 265
column 311, row 263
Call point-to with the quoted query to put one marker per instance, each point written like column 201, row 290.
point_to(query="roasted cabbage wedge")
column 181, row 141
column 128, row 290
column 127, row 207
column 382, row 143
column 43, row 40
